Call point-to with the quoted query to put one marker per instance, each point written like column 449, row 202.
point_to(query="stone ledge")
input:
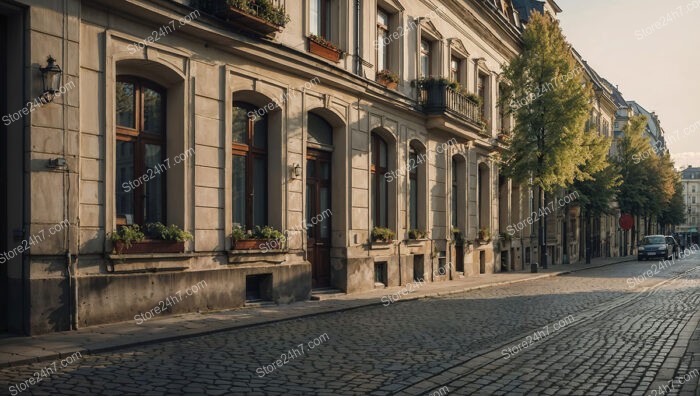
column 257, row 256
column 150, row 262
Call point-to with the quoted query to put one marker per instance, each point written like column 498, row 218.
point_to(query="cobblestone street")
column 501, row 340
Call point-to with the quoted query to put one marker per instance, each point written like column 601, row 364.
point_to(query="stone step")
column 325, row 293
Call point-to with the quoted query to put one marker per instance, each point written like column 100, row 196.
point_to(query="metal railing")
column 438, row 98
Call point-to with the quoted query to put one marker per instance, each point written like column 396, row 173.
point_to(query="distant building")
column 653, row 130
column 690, row 178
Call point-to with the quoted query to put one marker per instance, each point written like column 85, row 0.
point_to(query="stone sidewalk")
column 22, row 350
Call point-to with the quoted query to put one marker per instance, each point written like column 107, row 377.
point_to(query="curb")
column 127, row 345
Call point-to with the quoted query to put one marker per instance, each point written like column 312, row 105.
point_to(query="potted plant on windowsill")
column 388, row 79
column 381, row 235
column 324, row 48
column 484, row 236
column 157, row 238
column 261, row 17
column 253, row 239
column 416, row 234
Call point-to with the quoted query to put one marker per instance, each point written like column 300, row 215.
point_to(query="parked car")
column 652, row 246
column 671, row 240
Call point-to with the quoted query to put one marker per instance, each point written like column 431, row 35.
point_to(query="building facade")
column 690, row 179
column 337, row 123
column 249, row 120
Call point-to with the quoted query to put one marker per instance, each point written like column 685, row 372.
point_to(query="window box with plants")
column 382, row 236
column 388, row 79
column 416, row 234
column 154, row 238
column 504, row 136
column 484, row 236
column 324, row 48
column 260, row 17
column 259, row 238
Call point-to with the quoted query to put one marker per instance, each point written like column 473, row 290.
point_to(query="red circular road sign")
column 626, row 222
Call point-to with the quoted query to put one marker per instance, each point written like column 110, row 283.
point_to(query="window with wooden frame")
column 380, row 184
column 249, row 148
column 383, row 40
column 413, row 162
column 320, row 18
column 425, row 60
column 456, row 69
column 482, row 90
column 140, row 151
column 454, row 196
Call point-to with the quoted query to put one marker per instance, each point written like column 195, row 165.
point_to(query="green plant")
column 381, row 234
column 239, row 233
column 266, row 232
column 322, row 41
column 473, row 97
column 167, row 233
column 127, row 234
column 415, row 233
column 388, row 75
column 264, row 9
column 484, row 234
column 258, row 232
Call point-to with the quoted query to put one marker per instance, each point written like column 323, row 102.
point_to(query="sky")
column 651, row 50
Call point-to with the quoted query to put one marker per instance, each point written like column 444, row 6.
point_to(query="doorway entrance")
column 318, row 223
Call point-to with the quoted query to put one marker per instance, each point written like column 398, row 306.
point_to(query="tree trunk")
column 542, row 229
column 589, row 236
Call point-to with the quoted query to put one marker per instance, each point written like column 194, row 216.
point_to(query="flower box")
column 251, row 244
column 388, row 83
column 324, row 51
column 149, row 246
column 258, row 19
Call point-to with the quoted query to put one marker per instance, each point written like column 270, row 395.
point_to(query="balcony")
column 250, row 16
column 437, row 98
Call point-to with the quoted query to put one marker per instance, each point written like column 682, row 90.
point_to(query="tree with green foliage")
column 674, row 212
column 598, row 192
column 549, row 146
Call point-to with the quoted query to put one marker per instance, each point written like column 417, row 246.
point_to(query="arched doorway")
column 319, row 160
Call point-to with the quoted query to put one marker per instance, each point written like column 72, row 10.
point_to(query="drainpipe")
column 358, row 61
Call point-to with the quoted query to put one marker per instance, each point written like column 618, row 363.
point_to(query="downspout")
column 70, row 270
column 358, row 60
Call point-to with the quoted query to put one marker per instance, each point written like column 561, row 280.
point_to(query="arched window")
column 320, row 131
column 455, row 192
column 380, row 184
column 140, row 151
column 249, row 149
column 413, row 162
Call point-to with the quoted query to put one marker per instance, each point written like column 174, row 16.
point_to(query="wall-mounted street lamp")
column 297, row 171
column 50, row 79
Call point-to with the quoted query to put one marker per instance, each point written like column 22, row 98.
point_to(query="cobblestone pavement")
column 589, row 333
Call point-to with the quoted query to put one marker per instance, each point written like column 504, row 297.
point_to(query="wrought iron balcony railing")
column 436, row 97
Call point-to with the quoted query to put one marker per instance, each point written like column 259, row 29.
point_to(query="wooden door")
column 318, row 220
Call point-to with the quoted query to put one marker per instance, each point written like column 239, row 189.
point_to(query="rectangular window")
column 455, row 187
column 424, row 58
column 456, row 70
column 380, row 184
column 413, row 188
column 320, row 18
column 481, row 90
column 239, row 190
column 382, row 40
